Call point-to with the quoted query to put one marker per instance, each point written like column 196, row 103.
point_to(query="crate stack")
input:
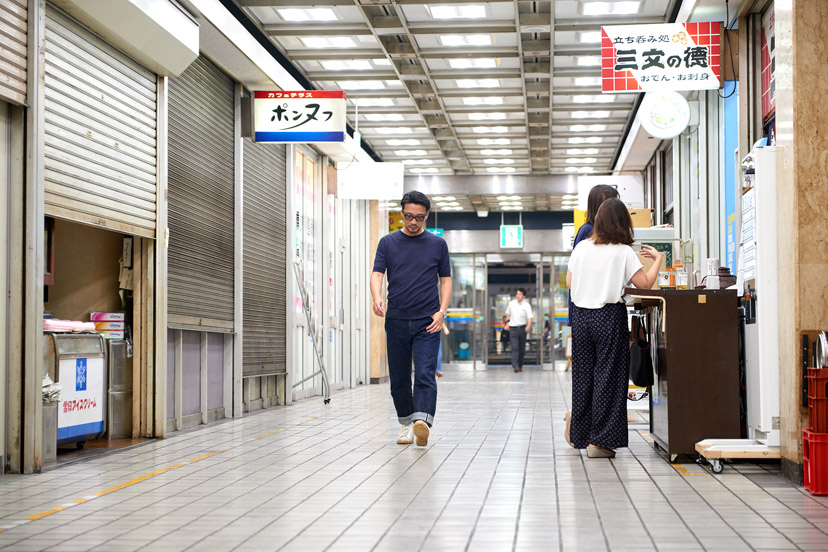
column 815, row 438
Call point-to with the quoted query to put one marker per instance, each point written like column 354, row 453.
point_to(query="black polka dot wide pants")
column 600, row 372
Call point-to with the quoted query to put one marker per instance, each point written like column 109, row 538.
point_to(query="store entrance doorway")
column 484, row 284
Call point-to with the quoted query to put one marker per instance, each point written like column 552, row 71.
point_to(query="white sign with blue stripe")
column 305, row 116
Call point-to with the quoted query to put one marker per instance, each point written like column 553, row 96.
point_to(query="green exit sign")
column 436, row 231
column 511, row 236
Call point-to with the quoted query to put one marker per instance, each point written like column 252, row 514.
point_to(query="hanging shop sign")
column 511, row 236
column 306, row 116
column 669, row 56
column 768, row 63
column 664, row 115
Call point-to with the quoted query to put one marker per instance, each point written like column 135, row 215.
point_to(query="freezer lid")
column 83, row 344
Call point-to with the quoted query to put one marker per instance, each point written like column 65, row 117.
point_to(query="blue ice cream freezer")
column 78, row 362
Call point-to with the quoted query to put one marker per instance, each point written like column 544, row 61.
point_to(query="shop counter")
column 694, row 339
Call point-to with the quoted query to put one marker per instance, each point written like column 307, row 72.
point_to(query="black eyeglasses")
column 409, row 217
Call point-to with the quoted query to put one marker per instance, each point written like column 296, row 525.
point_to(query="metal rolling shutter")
column 13, row 47
column 265, row 240
column 100, row 151
column 201, row 198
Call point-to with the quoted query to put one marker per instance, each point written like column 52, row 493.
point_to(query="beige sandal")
column 594, row 451
column 568, row 420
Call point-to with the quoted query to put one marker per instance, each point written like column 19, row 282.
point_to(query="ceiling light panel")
column 587, row 140
column 346, row 65
column 587, row 81
column 410, row 153
column 381, row 62
column 418, row 162
column 473, row 63
column 361, row 85
column 500, row 169
column 589, row 37
column 496, row 151
column 403, row 142
column 383, row 117
column 491, row 130
column 593, row 99
column 624, row 7
column 494, row 116
column 494, row 141
column 372, row 102
column 469, row 11
column 424, row 170
column 489, row 100
column 478, row 83
column 323, row 42
column 582, row 151
column 588, row 61
column 590, row 114
column 588, row 128
column 466, row 40
column 581, row 160
column 499, row 161
column 307, row 14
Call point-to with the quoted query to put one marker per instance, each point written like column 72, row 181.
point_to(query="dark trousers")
column 600, row 370
column 517, row 339
column 407, row 340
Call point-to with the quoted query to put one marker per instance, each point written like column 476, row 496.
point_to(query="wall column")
column 802, row 181
column 378, row 352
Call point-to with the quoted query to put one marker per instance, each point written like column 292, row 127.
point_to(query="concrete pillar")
column 802, row 183
column 378, row 353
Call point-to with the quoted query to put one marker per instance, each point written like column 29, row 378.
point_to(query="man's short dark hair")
column 416, row 198
column 523, row 291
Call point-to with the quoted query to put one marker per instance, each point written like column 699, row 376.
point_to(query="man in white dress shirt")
column 519, row 317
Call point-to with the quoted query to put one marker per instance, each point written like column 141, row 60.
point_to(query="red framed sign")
column 305, row 116
column 669, row 56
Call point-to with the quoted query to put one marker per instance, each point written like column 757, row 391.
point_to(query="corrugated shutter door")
column 13, row 47
column 100, row 150
column 265, row 240
column 201, row 198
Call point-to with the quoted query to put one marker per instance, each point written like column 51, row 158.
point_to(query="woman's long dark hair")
column 598, row 195
column 613, row 223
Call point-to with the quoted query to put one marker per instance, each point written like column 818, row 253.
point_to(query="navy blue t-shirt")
column 584, row 232
column 414, row 265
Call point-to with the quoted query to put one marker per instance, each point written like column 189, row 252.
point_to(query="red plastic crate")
column 818, row 400
column 815, row 460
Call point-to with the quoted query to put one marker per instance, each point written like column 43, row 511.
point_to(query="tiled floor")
column 496, row 475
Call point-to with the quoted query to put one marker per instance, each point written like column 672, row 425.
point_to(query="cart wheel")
column 701, row 460
column 717, row 466
column 327, row 401
column 80, row 444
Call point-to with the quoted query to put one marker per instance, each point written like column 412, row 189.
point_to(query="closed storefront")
column 265, row 294
column 13, row 46
column 202, row 243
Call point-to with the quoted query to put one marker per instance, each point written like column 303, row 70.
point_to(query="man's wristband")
column 444, row 313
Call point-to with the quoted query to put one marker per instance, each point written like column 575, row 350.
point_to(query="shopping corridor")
column 496, row 475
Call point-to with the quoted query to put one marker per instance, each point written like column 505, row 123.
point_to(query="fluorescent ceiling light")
column 611, row 8
column 588, row 128
column 595, row 98
column 589, row 37
column 587, row 81
column 427, row 170
column 323, row 42
column 396, row 130
column 491, row 130
column 487, row 116
column 508, row 198
column 410, row 153
column 393, row 84
column 512, row 207
column 478, row 83
column 500, row 169
column 576, row 151
column 496, row 152
column 466, row 40
column 588, row 61
column 494, row 141
column 406, row 142
column 451, row 208
column 346, row 64
column 418, row 162
column 444, row 198
column 569, row 196
column 381, row 62
column 470, row 11
column 361, row 85
column 448, row 203
column 383, row 117
column 473, row 63
column 308, row 14
column 590, row 114
column 590, row 140
column 499, row 161
column 581, row 160
column 493, row 100
column 373, row 102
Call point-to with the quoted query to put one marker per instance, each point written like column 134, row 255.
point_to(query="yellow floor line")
column 45, row 513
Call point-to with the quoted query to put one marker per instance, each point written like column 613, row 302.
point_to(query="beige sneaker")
column 421, row 433
column 406, row 435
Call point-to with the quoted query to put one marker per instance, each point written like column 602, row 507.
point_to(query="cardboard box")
column 649, row 262
column 107, row 317
column 641, row 218
column 110, row 326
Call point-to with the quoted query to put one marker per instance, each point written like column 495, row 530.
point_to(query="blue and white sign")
column 80, row 374
column 305, row 116
column 81, row 406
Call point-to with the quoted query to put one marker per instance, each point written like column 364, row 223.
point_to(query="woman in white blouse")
column 599, row 270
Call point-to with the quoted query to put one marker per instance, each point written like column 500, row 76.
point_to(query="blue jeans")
column 408, row 339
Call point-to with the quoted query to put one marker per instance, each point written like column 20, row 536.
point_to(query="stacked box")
column 112, row 325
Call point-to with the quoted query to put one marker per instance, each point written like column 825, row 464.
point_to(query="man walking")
column 519, row 318
column 414, row 260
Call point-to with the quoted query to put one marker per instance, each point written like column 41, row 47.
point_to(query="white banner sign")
column 306, row 116
column 80, row 411
column 669, row 56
